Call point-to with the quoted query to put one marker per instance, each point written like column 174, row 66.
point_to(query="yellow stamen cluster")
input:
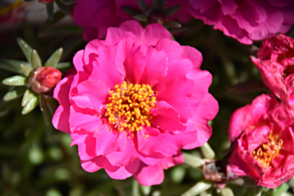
column 128, row 107
column 267, row 151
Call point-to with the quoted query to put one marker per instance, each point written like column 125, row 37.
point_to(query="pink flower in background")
column 263, row 142
column 96, row 16
column 135, row 100
column 275, row 61
column 245, row 20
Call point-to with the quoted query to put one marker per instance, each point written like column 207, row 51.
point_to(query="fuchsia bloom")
column 135, row 100
column 245, row 20
column 97, row 15
column 262, row 137
column 275, row 61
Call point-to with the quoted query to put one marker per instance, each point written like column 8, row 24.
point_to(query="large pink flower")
column 263, row 142
column 135, row 100
column 97, row 15
column 245, row 20
column 275, row 61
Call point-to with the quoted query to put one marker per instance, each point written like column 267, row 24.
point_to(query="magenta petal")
column 106, row 70
column 78, row 61
column 95, row 91
column 178, row 93
column 152, row 72
column 90, row 165
column 61, row 92
column 130, row 59
column 86, row 145
column 149, row 175
column 106, row 141
column 168, row 162
column 79, row 120
column 115, row 35
column 166, row 118
column 120, row 174
column 125, row 156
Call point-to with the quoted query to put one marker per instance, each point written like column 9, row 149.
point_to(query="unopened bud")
column 43, row 79
column 156, row 17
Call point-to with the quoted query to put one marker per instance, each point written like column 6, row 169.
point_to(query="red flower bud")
column 43, row 79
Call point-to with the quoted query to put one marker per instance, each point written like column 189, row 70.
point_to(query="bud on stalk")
column 43, row 79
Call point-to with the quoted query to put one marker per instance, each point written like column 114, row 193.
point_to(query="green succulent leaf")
column 43, row 102
column 14, row 93
column 15, row 81
column 281, row 189
column 12, row 65
column 65, row 65
column 26, row 49
column 62, row 7
column 49, row 23
column 36, row 61
column 28, row 95
column 143, row 6
column 172, row 24
column 140, row 17
column 26, row 70
column 30, row 105
column 50, row 10
column 171, row 10
column 54, row 58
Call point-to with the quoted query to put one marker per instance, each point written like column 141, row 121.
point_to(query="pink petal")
column 95, row 91
column 168, row 162
column 149, row 175
column 120, row 174
column 152, row 72
column 178, row 93
column 130, row 59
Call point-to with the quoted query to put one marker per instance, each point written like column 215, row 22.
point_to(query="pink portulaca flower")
column 275, row 61
column 245, row 20
column 135, row 100
column 262, row 139
column 96, row 16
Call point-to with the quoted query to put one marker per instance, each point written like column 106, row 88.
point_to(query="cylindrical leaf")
column 15, row 81
column 197, row 189
column 143, row 6
column 207, row 151
column 50, row 10
column 12, row 65
column 146, row 189
column 227, row 192
column 54, row 58
column 28, row 95
column 31, row 104
column 36, row 61
column 43, row 102
column 65, row 65
column 192, row 161
column 14, row 93
column 26, row 49
column 26, row 70
column 172, row 10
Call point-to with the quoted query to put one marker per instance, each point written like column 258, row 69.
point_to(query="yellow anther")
column 128, row 106
column 267, row 151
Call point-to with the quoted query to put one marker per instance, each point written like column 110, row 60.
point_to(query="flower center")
column 267, row 151
column 128, row 107
column 288, row 70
